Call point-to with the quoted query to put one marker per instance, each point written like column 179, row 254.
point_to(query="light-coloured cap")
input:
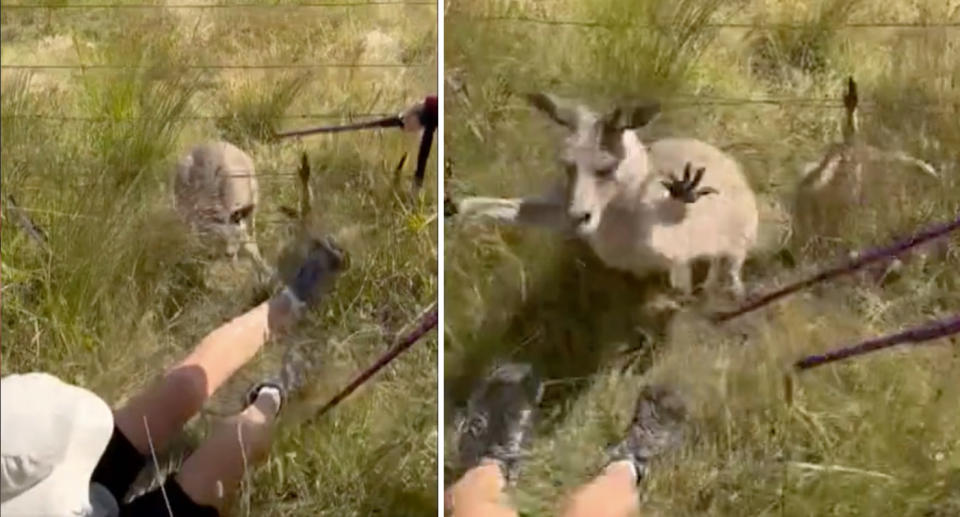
column 53, row 435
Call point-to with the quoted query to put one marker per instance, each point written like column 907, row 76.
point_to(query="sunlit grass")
column 871, row 436
column 119, row 288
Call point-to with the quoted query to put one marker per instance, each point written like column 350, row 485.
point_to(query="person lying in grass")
column 65, row 453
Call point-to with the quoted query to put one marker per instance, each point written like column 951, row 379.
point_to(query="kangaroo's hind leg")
column 712, row 281
column 681, row 278
column 252, row 251
column 734, row 271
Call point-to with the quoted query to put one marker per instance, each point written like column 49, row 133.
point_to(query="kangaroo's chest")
column 622, row 240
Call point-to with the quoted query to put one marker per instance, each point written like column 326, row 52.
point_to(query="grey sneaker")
column 657, row 426
column 499, row 417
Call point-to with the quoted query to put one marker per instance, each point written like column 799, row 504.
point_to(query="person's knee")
column 189, row 386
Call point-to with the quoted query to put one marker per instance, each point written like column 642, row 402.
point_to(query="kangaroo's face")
column 592, row 155
column 592, row 176
column 227, row 233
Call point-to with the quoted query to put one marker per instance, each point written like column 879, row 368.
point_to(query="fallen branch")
column 859, row 262
column 916, row 335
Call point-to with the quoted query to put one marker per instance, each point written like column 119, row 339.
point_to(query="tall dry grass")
column 872, row 436
column 120, row 289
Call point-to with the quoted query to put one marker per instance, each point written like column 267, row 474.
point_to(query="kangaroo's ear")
column 631, row 116
column 559, row 110
column 621, row 118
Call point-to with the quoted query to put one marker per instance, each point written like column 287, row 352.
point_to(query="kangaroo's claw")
column 698, row 176
column 706, row 190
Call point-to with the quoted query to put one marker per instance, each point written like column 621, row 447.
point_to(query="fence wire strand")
column 677, row 101
column 78, row 118
column 593, row 24
column 215, row 66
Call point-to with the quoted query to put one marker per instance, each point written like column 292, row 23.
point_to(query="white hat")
column 52, row 437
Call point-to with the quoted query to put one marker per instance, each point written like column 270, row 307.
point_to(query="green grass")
column 120, row 288
column 527, row 295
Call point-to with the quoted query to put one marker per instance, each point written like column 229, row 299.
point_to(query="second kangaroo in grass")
column 833, row 186
column 624, row 199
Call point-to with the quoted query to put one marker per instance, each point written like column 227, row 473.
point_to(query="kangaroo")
column 624, row 199
column 215, row 192
column 848, row 157
column 837, row 178
column 831, row 188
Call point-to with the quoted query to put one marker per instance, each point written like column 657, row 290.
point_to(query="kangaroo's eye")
column 606, row 172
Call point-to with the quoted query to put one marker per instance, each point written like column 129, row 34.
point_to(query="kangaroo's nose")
column 580, row 218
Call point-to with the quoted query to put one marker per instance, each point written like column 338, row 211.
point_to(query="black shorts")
column 118, row 469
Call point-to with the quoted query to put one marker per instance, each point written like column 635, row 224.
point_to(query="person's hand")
column 422, row 115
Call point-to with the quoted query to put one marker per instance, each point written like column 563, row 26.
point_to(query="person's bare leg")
column 159, row 412
column 213, row 472
column 167, row 405
column 479, row 493
column 611, row 494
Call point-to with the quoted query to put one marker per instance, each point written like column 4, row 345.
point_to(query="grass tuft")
column 254, row 113
column 807, row 49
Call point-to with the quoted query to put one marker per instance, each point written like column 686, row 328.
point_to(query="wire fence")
column 259, row 175
column 87, row 180
column 679, row 100
column 81, row 118
column 594, row 24
column 79, row 215
column 227, row 6
column 25, row 224
column 70, row 118
column 693, row 100
column 683, row 101
column 215, row 66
